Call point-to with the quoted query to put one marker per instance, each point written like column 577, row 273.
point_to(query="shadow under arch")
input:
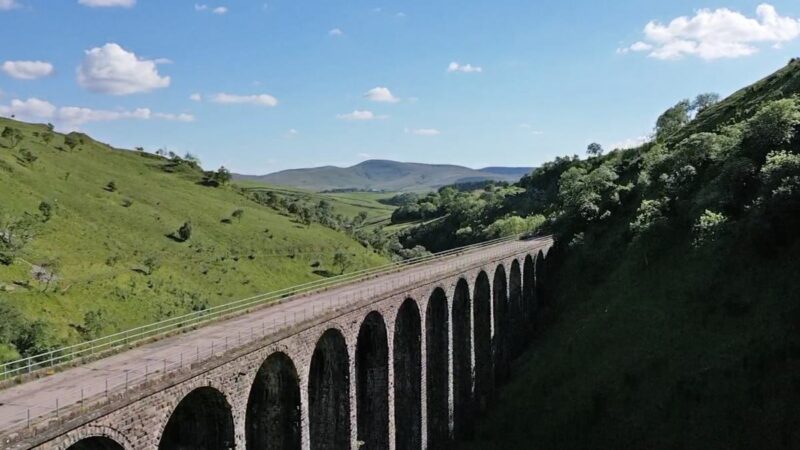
column 273, row 406
column 329, row 393
column 372, row 383
column 437, row 357
column 407, row 351
column 462, row 361
column 482, row 338
column 201, row 421
column 529, row 292
column 501, row 338
column 96, row 443
column 515, row 309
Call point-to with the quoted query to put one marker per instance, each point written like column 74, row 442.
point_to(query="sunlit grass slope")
column 110, row 249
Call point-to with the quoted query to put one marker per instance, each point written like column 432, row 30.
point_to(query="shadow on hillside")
column 324, row 273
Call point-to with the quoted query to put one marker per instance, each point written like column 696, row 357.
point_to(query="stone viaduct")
column 406, row 371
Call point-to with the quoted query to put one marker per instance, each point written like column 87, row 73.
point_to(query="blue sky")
column 279, row 87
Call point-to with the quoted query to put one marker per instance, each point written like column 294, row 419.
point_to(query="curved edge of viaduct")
column 410, row 371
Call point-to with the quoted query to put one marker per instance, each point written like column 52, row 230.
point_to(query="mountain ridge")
column 386, row 175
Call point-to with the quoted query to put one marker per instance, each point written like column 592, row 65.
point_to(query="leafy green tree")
column 704, row 101
column 772, row 127
column 673, row 119
column 46, row 209
column 93, row 323
column 26, row 157
column 594, row 149
column 111, row 186
column 72, row 140
column 184, row 233
column 708, row 227
column 343, row 261
column 13, row 135
column 192, row 159
column 47, row 137
column 15, row 232
column 238, row 214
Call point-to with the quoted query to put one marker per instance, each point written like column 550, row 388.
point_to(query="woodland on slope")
column 671, row 310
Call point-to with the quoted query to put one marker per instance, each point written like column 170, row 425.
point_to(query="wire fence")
column 103, row 390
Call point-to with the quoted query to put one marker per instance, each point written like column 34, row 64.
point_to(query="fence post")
column 57, row 411
column 126, row 381
column 81, row 399
column 106, row 388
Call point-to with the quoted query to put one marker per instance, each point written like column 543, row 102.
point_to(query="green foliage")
column 514, row 225
column 343, row 261
column 13, row 135
column 704, row 101
column 238, row 214
column 594, row 149
column 26, row 157
column 111, row 186
column 15, row 233
column 673, row 119
column 184, row 233
column 772, row 127
column 649, row 215
column 93, row 324
column 46, row 209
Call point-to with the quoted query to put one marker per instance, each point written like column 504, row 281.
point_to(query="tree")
column 343, row 261
column 238, row 214
column 47, row 209
column 191, row 158
column 185, row 231
column 594, row 149
column 47, row 137
column 71, row 140
column 703, row 101
column 26, row 157
column 673, row 119
column 111, row 186
column 139, row 149
column 14, row 135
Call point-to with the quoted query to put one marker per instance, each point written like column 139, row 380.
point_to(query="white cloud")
column 629, row 143
column 714, row 34
column 216, row 10
column 292, row 132
column 423, row 131
column 32, row 108
column 111, row 69
column 364, row 155
column 27, row 70
column 335, row 32
column 465, row 68
column 196, row 97
column 72, row 116
column 181, row 117
column 108, row 3
column 8, row 5
column 360, row 115
column 381, row 94
column 255, row 99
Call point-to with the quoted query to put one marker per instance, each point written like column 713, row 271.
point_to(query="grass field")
column 110, row 250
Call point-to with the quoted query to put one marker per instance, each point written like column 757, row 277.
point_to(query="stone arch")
column 515, row 308
column 529, row 291
column 541, row 280
column 202, row 420
column 329, row 393
column 96, row 443
column 273, row 407
column 501, row 337
column 372, row 383
column 462, row 361
column 482, row 338
column 437, row 357
column 407, row 350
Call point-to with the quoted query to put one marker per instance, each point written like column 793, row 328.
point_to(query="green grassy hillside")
column 383, row 175
column 105, row 261
column 671, row 314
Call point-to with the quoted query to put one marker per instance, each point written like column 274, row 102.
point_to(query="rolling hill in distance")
column 385, row 175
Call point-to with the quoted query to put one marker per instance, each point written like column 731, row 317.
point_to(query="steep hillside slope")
column 671, row 309
column 382, row 175
column 104, row 254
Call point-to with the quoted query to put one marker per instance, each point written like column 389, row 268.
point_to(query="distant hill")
column 383, row 175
